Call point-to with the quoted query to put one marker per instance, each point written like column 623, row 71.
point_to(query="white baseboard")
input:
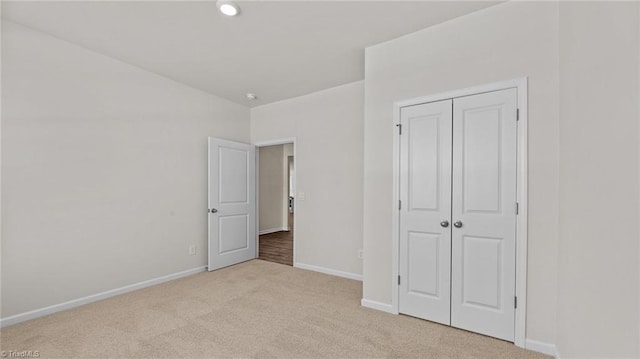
column 541, row 347
column 22, row 317
column 273, row 230
column 372, row 304
column 329, row 271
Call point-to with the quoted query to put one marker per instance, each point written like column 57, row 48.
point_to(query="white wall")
column 104, row 171
column 598, row 247
column 328, row 130
column 272, row 188
column 1, row 21
column 502, row 42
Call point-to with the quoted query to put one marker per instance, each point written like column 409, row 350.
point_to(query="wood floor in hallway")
column 278, row 247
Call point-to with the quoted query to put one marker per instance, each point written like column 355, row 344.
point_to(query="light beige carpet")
column 255, row 309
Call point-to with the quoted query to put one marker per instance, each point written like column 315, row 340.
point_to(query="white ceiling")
column 276, row 50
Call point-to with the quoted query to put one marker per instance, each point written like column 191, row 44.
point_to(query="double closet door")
column 458, row 212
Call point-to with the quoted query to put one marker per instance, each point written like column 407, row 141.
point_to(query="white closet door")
column 484, row 213
column 425, row 192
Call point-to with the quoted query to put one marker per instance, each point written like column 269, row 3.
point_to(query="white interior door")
column 425, row 211
column 232, row 203
column 484, row 213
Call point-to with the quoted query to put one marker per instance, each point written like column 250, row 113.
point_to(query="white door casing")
column 520, row 86
column 481, row 187
column 232, row 203
column 425, row 193
column 484, row 203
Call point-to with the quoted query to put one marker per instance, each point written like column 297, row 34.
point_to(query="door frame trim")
column 257, row 145
column 521, row 84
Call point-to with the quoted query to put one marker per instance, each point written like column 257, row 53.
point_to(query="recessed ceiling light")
column 228, row 7
column 252, row 96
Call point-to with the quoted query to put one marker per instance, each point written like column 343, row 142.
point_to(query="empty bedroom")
column 320, row 179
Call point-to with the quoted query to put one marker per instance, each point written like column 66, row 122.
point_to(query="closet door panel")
column 425, row 193
column 484, row 213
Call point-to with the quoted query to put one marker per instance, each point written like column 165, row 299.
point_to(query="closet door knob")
column 444, row 224
column 457, row 224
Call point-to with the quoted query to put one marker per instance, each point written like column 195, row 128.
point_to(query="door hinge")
column 517, row 208
column 399, row 205
column 398, row 280
column 399, row 128
column 515, row 302
column 517, row 114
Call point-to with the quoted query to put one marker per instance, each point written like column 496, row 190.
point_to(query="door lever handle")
column 213, row 210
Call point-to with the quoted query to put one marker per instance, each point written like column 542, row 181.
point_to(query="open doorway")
column 276, row 208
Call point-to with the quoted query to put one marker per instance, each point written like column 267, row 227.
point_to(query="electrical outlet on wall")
column 360, row 253
column 193, row 249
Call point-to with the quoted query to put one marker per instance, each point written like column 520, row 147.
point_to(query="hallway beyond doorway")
column 277, row 247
